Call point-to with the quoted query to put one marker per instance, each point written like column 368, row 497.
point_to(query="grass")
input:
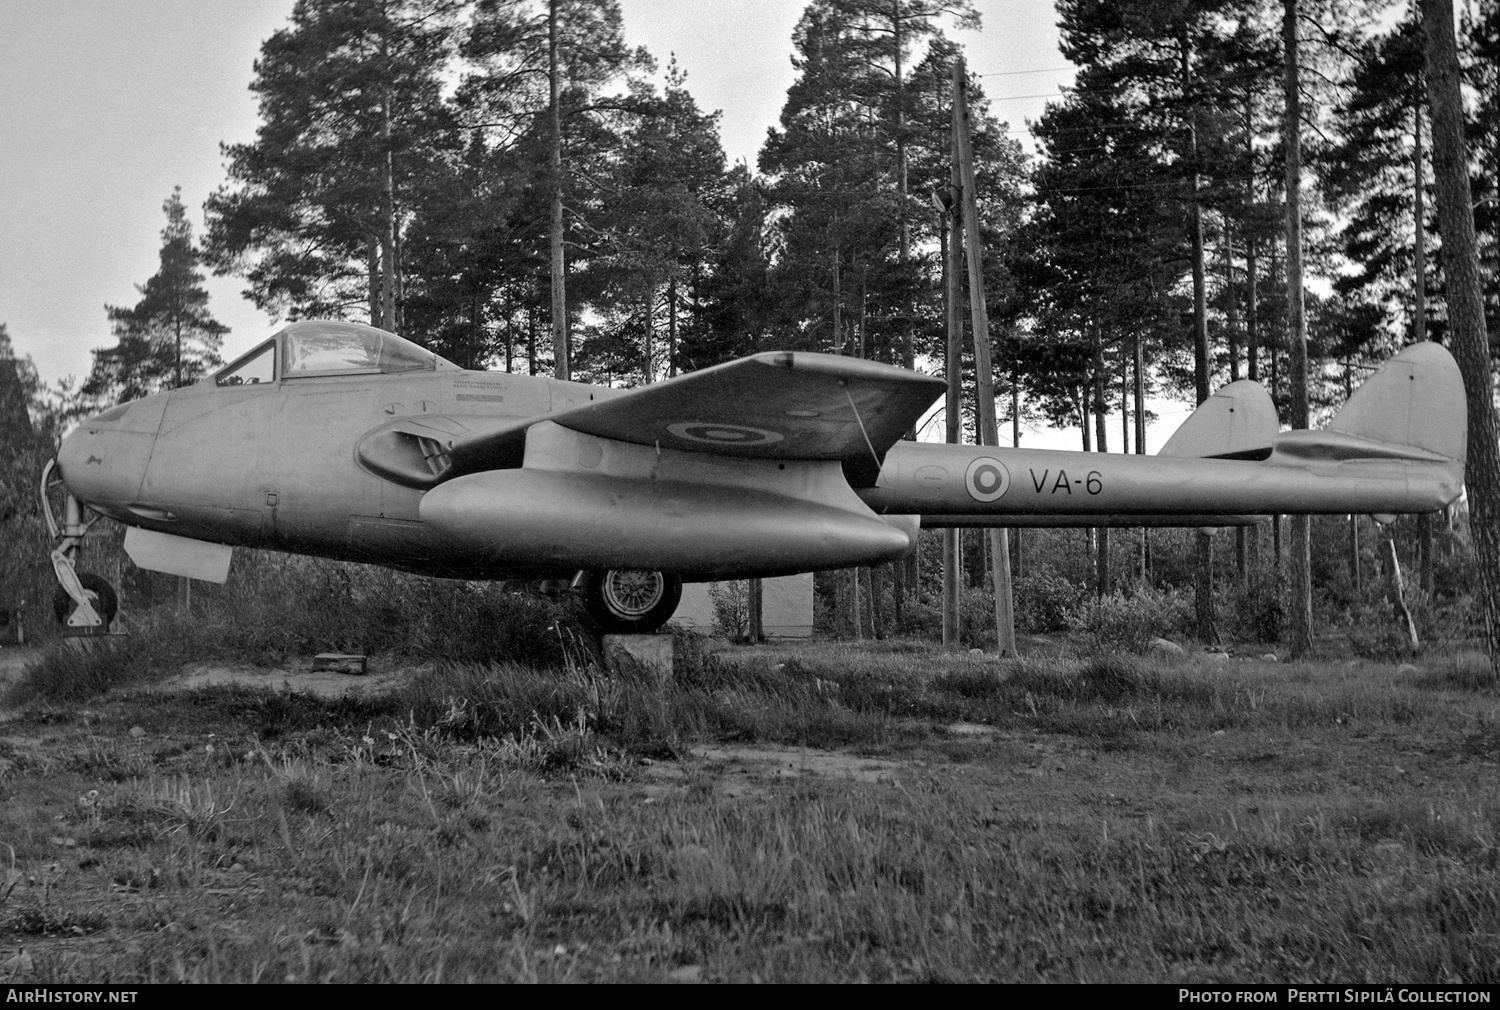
column 1113, row 820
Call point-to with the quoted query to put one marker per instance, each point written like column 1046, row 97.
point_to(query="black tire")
column 101, row 594
column 624, row 601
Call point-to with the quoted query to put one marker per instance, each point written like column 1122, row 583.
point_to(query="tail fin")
column 1415, row 399
column 1237, row 422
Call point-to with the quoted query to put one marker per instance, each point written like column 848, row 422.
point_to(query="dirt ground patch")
column 383, row 678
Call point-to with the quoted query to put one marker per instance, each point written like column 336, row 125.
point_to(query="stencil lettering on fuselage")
column 986, row 479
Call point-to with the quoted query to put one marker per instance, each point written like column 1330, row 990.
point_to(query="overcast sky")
column 105, row 105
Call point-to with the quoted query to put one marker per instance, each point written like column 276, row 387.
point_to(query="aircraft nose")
column 103, row 460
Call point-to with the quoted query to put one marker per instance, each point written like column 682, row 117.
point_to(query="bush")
column 731, row 602
column 1254, row 611
column 1121, row 623
column 1043, row 600
column 276, row 606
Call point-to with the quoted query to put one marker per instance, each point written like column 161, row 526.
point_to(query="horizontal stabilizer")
column 1415, row 399
column 1237, row 422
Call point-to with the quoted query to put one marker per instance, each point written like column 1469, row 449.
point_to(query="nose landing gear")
column 84, row 602
column 631, row 601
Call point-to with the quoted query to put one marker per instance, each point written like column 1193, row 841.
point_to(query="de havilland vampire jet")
column 345, row 441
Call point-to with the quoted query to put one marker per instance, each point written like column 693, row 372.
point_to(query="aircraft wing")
column 779, row 405
column 782, row 405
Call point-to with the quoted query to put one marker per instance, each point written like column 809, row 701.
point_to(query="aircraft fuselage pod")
column 344, row 441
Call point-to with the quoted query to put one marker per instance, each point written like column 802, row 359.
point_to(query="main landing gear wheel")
column 627, row 601
column 101, row 596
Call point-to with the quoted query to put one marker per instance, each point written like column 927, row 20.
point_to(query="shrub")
column 1254, row 611
column 731, row 602
column 1121, row 623
column 1043, row 600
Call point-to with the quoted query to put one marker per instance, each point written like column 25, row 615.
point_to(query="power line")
column 1013, row 73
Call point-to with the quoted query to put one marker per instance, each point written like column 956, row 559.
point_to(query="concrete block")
column 636, row 655
column 340, row 662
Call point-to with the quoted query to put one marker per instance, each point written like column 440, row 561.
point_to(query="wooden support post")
column 1005, row 625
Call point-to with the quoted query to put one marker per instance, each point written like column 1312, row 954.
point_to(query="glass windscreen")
column 330, row 348
column 254, row 368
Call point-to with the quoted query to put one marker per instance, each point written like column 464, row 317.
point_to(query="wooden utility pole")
column 1005, row 624
column 1470, row 339
column 954, row 373
column 1301, row 530
column 562, row 364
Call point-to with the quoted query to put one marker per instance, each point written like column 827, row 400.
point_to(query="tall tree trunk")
column 562, row 360
column 648, row 308
column 672, row 327
column 838, row 305
column 952, row 295
column 372, row 272
column 388, row 222
column 1203, row 586
column 1139, row 391
column 1252, row 312
column 1005, row 625
column 1018, row 549
column 1419, row 233
column 1300, row 586
column 510, row 333
column 1101, row 432
column 531, row 340
column 1469, row 338
column 1231, row 307
column 1419, row 314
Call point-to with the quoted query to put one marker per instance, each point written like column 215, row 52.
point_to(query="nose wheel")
column 100, row 594
column 629, row 601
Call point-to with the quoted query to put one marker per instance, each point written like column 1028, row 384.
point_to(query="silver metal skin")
column 343, row 441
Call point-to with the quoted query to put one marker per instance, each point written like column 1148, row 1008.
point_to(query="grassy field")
column 826, row 812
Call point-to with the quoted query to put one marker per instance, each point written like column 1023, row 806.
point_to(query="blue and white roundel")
column 713, row 433
column 986, row 479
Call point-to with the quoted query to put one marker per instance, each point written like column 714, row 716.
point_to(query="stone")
column 1167, row 646
column 340, row 662
column 637, row 655
column 136, row 732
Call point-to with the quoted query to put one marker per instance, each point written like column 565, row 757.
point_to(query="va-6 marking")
column 1093, row 483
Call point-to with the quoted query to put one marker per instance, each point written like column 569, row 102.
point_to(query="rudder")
column 1415, row 399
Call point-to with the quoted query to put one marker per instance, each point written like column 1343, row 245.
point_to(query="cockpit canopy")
column 322, row 348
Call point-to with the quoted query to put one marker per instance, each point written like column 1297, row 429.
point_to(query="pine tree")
column 352, row 117
column 1377, row 175
column 168, row 338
